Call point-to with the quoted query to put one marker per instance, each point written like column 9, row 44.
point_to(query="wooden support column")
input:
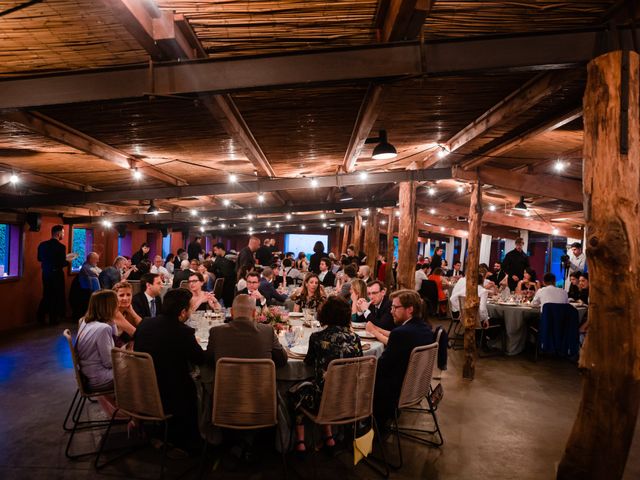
column 407, row 236
column 599, row 443
column 372, row 240
column 345, row 239
column 356, row 236
column 389, row 280
column 472, row 302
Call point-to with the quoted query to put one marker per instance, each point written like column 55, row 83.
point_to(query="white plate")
column 295, row 323
column 359, row 325
column 300, row 349
column 296, row 314
column 366, row 334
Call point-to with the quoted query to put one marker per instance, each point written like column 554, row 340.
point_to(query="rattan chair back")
column 136, row 385
column 76, row 364
column 348, row 391
column 218, row 287
column 184, row 284
column 244, row 393
column 417, row 378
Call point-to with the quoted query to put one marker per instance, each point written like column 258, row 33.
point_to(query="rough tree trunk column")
column 372, row 240
column 356, row 236
column 407, row 236
column 472, row 301
column 603, row 431
column 389, row 280
column 345, row 239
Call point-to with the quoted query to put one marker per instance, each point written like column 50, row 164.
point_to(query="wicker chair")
column 347, row 397
column 184, row 284
column 483, row 332
column 79, row 400
column 244, row 397
column 137, row 395
column 416, row 387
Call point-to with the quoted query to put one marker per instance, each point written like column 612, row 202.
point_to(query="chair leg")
column 397, row 435
column 285, row 470
column 71, row 407
column 164, row 449
column 103, row 442
column 404, row 431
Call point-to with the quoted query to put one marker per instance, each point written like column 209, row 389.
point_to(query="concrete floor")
column 511, row 422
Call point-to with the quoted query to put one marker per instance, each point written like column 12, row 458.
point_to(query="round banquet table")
column 516, row 320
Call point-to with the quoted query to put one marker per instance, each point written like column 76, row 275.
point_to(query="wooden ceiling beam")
column 507, row 144
column 519, row 101
column 434, row 58
column 513, row 221
column 550, row 186
column 263, row 185
column 402, row 19
column 439, row 221
column 30, row 176
column 58, row 131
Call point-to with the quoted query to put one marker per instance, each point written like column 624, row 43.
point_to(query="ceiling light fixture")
column 432, row 211
column 397, row 213
column 555, row 231
column 383, row 222
column 14, row 179
column 202, row 229
column 492, row 208
column 261, row 197
column 222, row 225
column 152, row 208
column 344, row 195
column 460, row 189
column 249, row 216
column 384, row 150
column 341, row 225
column 226, row 202
column 520, row 205
column 314, row 182
column 443, row 151
column 288, row 217
column 233, row 178
column 268, row 224
column 431, row 191
column 277, row 225
column 194, row 213
column 559, row 166
column 323, row 216
column 106, row 223
column 303, row 227
column 137, row 175
column 324, row 224
column 363, row 176
column 204, row 221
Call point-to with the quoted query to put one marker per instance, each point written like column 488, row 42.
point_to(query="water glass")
column 290, row 337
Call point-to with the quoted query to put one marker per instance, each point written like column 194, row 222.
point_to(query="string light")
column 288, row 216
column 137, row 175
column 431, row 191
column 432, row 211
column 204, row 221
column 14, row 179
column 383, row 222
column 323, row 216
column 222, row 225
column 106, row 223
column 559, row 166
column 202, row 229
column 492, row 208
column 226, row 202
column 324, row 224
column 268, row 224
column 194, row 213
column 341, row 225
column 277, row 225
column 261, row 198
column 303, row 227
column 314, row 183
column 233, row 178
column 363, row 176
column 249, row 216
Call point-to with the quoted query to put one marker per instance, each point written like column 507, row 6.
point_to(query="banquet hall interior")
column 463, row 168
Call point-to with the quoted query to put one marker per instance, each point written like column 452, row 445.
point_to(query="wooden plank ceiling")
column 518, row 121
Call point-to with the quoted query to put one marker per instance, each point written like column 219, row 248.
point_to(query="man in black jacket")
column 226, row 269
column 194, row 249
column 148, row 302
column 53, row 258
column 264, row 255
column 268, row 290
column 436, row 259
column 246, row 256
column 174, row 350
column 378, row 309
column 411, row 331
column 514, row 264
column 326, row 276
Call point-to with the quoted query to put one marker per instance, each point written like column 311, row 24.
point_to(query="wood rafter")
column 58, row 131
column 30, row 176
column 401, row 19
column 551, row 186
column 439, row 221
column 522, row 99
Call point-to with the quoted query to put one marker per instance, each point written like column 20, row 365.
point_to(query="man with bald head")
column 243, row 337
column 89, row 273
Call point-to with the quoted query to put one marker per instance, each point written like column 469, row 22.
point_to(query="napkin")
column 362, row 446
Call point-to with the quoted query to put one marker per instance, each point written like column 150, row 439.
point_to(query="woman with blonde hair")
column 358, row 291
column 311, row 295
column 126, row 318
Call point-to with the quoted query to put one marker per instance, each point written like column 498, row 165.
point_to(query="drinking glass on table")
column 290, row 336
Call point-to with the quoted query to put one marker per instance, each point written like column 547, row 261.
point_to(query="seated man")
column 182, row 274
column 89, row 273
column 422, row 273
column 268, row 290
column 583, row 285
column 159, row 268
column 326, row 276
column 174, row 350
column 147, row 302
column 549, row 293
column 460, row 290
column 456, row 271
column 411, row 331
column 378, row 309
column 253, row 289
column 364, row 273
column 114, row 274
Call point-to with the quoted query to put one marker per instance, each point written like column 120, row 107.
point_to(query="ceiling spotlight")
column 384, row 150
column 268, row 224
column 559, row 166
column 323, row 216
column 324, row 224
column 383, row 222
column 204, row 221
column 194, row 213
column 314, row 182
column 233, row 178
column 202, row 229
column 344, row 195
column 226, row 202
column 152, row 208
column 520, row 205
column 14, row 179
column 363, row 176
column 222, row 225
column 341, row 225
column 443, row 151
column 397, row 213
column 492, row 208
column 106, row 223
column 288, row 217
column 555, row 231
column 442, row 229
column 303, row 227
column 261, row 198
column 431, row 191
column 277, row 225
column 432, row 211
column 460, row 189
column 137, row 175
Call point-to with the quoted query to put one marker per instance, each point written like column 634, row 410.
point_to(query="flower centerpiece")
column 274, row 317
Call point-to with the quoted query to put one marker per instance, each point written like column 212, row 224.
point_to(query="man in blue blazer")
column 268, row 290
column 410, row 331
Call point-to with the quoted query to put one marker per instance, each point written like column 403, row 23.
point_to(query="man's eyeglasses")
column 395, row 307
column 375, row 293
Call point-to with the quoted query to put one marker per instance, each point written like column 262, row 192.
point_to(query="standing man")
column 436, row 260
column 577, row 262
column 194, row 249
column 246, row 256
column 264, row 255
column 224, row 268
column 514, row 264
column 148, row 302
column 52, row 257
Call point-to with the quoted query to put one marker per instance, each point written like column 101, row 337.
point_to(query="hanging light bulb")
column 226, row 202
column 233, row 178
column 363, row 176
column 303, row 227
column 222, row 225
column 492, row 208
column 194, row 213
column 431, row 191
column 268, row 224
column 559, row 166
column 14, row 179
column 442, row 151
column 137, row 175
column 288, row 217
column 106, row 223
column 432, row 211
column 261, row 198
column 314, row 183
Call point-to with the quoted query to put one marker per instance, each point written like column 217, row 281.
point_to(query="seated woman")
column 201, row 300
column 207, row 286
column 169, row 263
column 126, row 319
column 574, row 288
column 301, row 263
column 94, row 343
column 335, row 341
column 358, row 290
column 242, row 278
column 311, row 295
column 441, row 281
column 528, row 285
